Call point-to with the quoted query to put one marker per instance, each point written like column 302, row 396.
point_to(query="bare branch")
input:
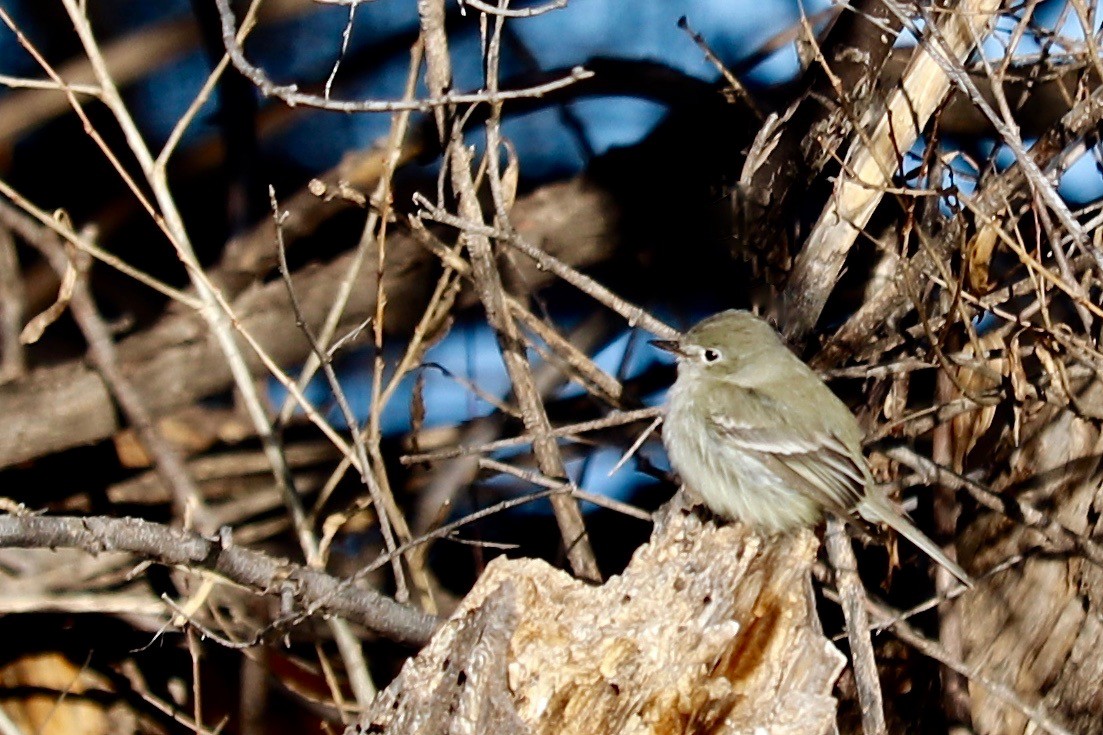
column 253, row 570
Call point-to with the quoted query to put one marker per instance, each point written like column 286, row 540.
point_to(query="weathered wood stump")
column 709, row 629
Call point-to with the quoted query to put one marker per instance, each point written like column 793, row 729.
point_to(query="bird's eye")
column 710, row 355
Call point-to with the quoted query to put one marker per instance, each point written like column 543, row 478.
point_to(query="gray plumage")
column 761, row 438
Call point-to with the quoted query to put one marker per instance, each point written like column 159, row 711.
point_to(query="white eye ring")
column 710, row 355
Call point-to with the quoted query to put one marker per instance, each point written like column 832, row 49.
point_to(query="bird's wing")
column 814, row 460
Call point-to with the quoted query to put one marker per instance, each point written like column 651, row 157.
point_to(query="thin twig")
column 636, row 445
column 570, row 430
column 729, row 77
column 635, row 315
column 510, row 12
column 588, row 374
column 853, row 596
column 399, row 125
column 291, row 95
column 384, row 506
column 204, row 93
column 13, row 359
column 10, row 217
column 539, row 480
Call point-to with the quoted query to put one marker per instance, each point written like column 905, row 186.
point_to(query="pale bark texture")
column 1037, row 625
column 709, row 629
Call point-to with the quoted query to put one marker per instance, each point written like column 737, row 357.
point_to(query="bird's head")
column 723, row 344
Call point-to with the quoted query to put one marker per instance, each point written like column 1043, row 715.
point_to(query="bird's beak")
column 669, row 346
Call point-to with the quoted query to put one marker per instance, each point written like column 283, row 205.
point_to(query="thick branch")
column 263, row 574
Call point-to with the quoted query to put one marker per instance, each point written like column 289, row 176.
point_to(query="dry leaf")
column 979, row 258
column 54, row 707
column 967, row 428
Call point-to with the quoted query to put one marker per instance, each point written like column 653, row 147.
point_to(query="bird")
column 760, row 438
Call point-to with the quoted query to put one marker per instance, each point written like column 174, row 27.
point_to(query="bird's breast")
column 734, row 483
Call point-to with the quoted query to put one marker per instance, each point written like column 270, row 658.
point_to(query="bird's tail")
column 880, row 510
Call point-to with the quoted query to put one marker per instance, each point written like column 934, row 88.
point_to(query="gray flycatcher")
column 762, row 439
